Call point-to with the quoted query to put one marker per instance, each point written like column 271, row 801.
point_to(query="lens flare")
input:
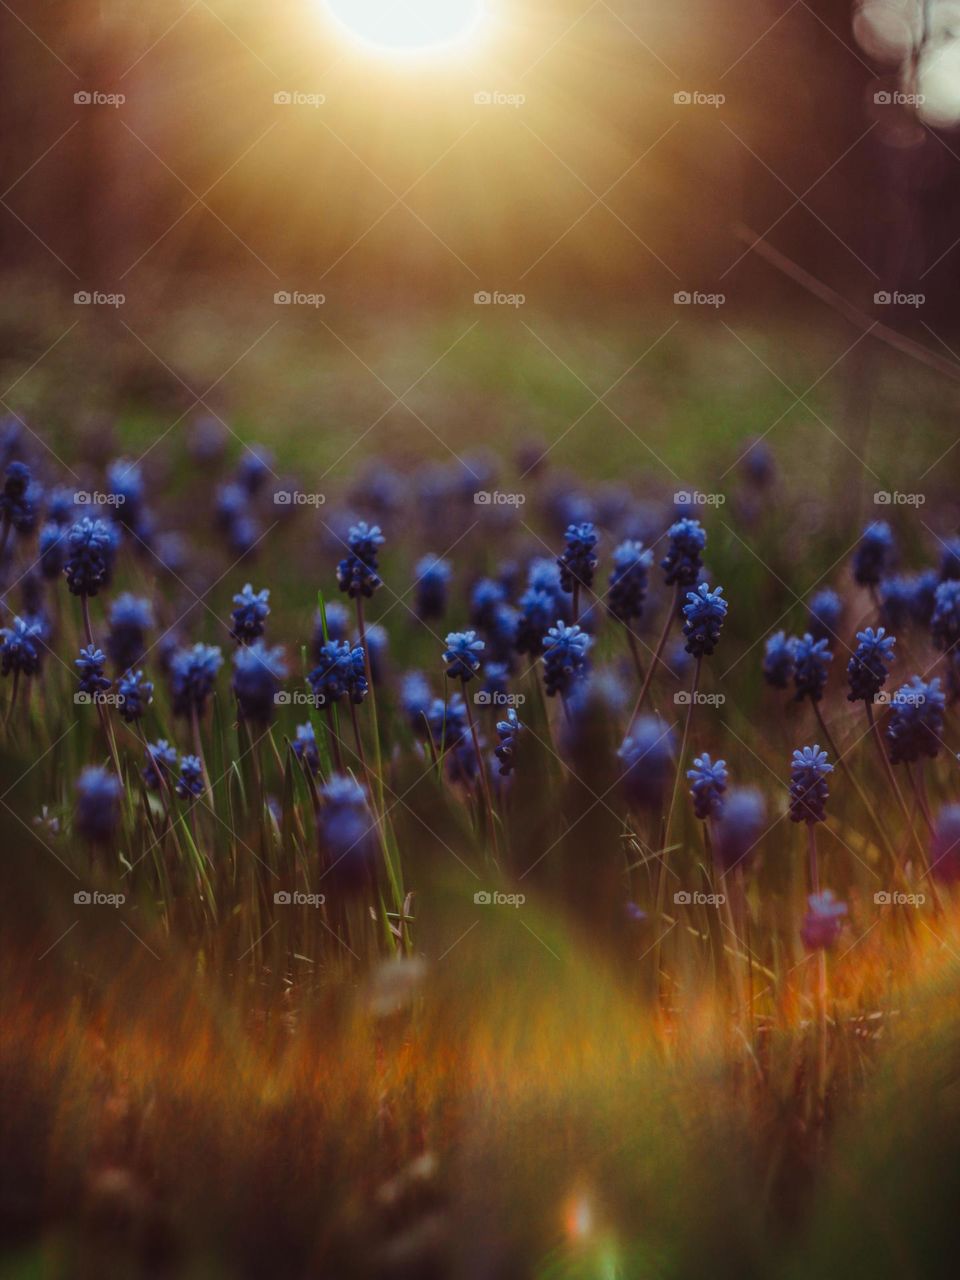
column 408, row 26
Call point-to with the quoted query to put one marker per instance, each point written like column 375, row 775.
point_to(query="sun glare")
column 408, row 26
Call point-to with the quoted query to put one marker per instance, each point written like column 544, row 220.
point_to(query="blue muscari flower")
column 578, row 560
column 190, row 780
column 704, row 613
column 868, row 669
column 52, row 545
column 808, row 785
column 950, row 560
column 778, row 660
column 357, row 573
column 305, row 748
column 61, row 506
column 432, row 574
column 684, row 559
column 628, row 582
column 536, row 611
column 916, row 720
column 161, row 764
column 193, row 672
column 496, row 678
column 708, row 783
column 135, row 693
column 923, row 596
column 20, row 647
column 594, row 706
column 500, row 635
column 647, row 760
column 97, row 808
column 125, row 486
column 758, row 464
column 229, row 504
column 90, row 666
column 462, row 655
column 347, row 831
column 897, row 601
column 945, row 845
column 340, row 672
column 544, row 575
column 485, row 598
column 243, row 536
column 508, row 731
column 739, row 827
column 448, row 721
column 873, row 555
column 131, row 617
column 564, row 657
column 19, row 498
column 415, row 700
column 257, row 672
column 811, row 660
column 171, row 553
column 250, row 614
column 254, row 466
column 945, row 623
column 91, row 547
column 823, row 921
column 825, row 609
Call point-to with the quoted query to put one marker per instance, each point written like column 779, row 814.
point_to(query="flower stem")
column 891, row 778
column 484, row 777
column 658, row 652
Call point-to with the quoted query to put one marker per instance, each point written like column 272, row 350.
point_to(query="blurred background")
column 145, row 151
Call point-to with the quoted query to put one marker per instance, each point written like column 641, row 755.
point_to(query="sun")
column 408, row 26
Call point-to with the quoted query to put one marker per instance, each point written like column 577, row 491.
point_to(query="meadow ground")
column 542, row 1024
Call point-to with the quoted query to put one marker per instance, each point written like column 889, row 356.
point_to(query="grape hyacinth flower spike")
column 564, row 658
column 578, row 561
column 433, row 576
column 249, row 617
column 161, row 765
column 257, row 672
column 134, row 695
column 708, row 785
column 868, row 669
column 97, row 806
column 778, row 660
column 874, row 554
column 508, row 731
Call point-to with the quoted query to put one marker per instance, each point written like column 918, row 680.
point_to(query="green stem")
column 658, row 652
